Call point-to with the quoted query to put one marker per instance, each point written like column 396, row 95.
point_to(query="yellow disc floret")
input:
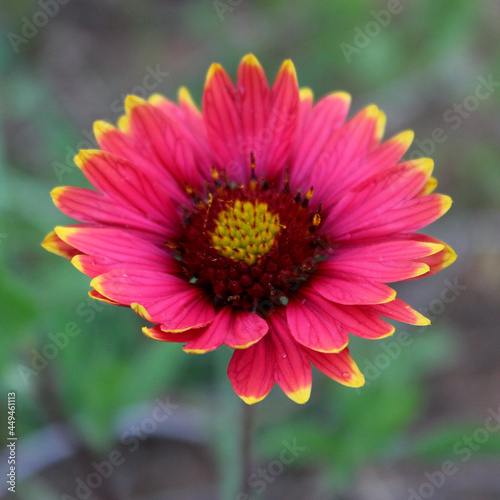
column 245, row 231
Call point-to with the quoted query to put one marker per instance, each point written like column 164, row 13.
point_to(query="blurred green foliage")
column 427, row 59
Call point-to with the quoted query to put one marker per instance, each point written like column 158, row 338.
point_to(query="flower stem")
column 247, row 438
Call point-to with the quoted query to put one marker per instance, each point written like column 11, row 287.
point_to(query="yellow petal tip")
column 185, row 97
column 85, row 155
column 76, row 261
column 430, row 186
column 288, row 67
column 371, row 111
column 404, row 138
column 101, row 128
column 420, row 319
column 301, row 396
column 332, row 351
column 141, row 311
column 65, row 232
column 214, row 68
column 306, row 94
column 450, row 256
column 446, row 203
column 357, row 379
column 391, row 297
column 51, row 244
column 340, row 94
column 422, row 269
column 388, row 334
column 196, row 351
column 147, row 331
column 251, row 400
column 57, row 192
column 156, row 99
column 124, row 124
column 132, row 101
column 96, row 284
column 424, row 165
column 381, row 123
column 251, row 60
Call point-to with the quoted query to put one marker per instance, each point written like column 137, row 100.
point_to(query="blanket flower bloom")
column 265, row 222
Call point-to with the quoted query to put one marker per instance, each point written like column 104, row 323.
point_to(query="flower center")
column 250, row 246
column 245, row 231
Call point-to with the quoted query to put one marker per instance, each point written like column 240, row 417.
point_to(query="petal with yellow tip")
column 338, row 366
column 53, row 243
column 400, row 311
column 250, row 372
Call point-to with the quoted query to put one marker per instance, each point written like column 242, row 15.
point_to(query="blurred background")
column 104, row 413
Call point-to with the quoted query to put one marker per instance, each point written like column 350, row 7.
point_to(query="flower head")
column 264, row 222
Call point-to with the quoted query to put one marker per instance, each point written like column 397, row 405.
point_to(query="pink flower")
column 265, row 223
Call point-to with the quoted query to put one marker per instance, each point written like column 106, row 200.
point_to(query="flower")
column 265, row 223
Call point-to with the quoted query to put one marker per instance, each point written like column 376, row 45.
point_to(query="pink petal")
column 157, row 333
column 119, row 244
column 174, row 303
column 283, row 120
column 162, row 141
column 388, row 260
column 250, row 118
column 190, row 122
column 338, row 366
column 293, row 369
column 346, row 150
column 128, row 186
column 382, row 158
column 317, row 128
column 381, row 272
column 232, row 327
column 109, row 248
column 410, row 216
column 251, row 371
column 253, row 108
column 361, row 321
column 348, row 288
column 366, row 210
column 223, row 122
column 438, row 260
column 94, row 266
column 312, row 324
column 118, row 143
column 306, row 106
column 97, row 296
column 414, row 215
column 56, row 245
column 400, row 311
column 93, row 207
